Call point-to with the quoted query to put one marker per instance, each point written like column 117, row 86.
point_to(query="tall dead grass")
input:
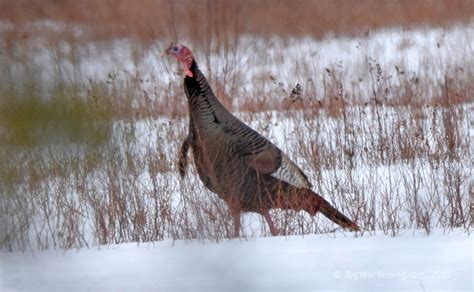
column 397, row 158
column 390, row 167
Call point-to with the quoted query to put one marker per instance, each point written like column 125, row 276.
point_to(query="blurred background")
column 148, row 20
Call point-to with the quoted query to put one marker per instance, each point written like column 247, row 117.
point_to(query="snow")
column 321, row 262
column 410, row 261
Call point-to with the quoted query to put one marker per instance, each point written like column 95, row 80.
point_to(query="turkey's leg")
column 182, row 160
column 273, row 230
column 236, row 217
column 235, row 213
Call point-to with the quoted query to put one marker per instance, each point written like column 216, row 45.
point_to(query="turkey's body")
column 242, row 167
column 225, row 173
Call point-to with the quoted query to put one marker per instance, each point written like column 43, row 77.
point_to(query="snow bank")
column 315, row 262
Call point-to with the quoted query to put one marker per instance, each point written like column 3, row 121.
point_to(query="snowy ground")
column 410, row 261
column 315, row 262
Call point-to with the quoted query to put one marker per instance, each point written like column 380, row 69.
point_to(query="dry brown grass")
column 199, row 19
column 390, row 167
column 127, row 189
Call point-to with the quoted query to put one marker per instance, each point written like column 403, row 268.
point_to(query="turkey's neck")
column 204, row 107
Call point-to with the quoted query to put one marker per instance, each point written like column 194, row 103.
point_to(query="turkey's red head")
column 183, row 55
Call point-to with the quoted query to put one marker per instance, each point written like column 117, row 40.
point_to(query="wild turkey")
column 242, row 167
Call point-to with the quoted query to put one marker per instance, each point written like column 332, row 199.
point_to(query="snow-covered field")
column 325, row 262
column 417, row 196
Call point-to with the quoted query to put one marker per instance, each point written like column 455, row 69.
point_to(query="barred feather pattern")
column 242, row 167
column 238, row 139
column 292, row 174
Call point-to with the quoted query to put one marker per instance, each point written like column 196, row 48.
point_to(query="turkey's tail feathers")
column 323, row 206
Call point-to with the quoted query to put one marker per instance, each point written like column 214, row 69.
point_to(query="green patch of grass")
column 64, row 117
